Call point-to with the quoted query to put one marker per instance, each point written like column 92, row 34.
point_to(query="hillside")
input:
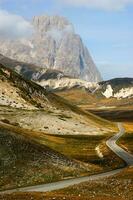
column 19, row 153
column 43, row 132
column 116, row 109
column 50, row 79
column 30, row 71
column 119, row 88
column 51, row 157
column 18, row 92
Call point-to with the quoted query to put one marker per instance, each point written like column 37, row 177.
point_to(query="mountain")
column 118, row 88
column 30, row 71
column 113, row 92
column 66, row 83
column 112, row 99
column 55, row 80
column 50, row 79
column 54, row 45
column 43, row 132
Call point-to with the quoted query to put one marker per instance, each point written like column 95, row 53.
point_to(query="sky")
column 105, row 26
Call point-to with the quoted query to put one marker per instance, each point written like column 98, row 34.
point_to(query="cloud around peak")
column 13, row 26
column 107, row 5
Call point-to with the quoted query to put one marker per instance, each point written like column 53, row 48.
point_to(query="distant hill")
column 50, row 79
column 54, row 80
column 118, row 88
column 112, row 99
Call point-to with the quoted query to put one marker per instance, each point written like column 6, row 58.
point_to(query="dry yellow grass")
column 86, row 100
column 119, row 187
column 25, row 153
column 126, row 141
column 129, row 127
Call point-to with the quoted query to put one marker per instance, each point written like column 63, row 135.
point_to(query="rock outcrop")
column 55, row 45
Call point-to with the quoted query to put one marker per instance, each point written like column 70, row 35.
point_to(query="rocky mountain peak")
column 54, row 45
column 46, row 23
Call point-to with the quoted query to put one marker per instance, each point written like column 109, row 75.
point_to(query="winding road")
column 111, row 143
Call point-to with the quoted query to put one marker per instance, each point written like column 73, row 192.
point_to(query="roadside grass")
column 128, row 126
column 83, row 148
column 126, row 141
column 79, row 147
column 119, row 187
column 116, row 187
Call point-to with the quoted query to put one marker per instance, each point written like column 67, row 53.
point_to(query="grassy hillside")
column 43, row 132
column 51, row 157
column 32, row 96
column 126, row 141
column 84, row 99
column 118, row 188
column 24, row 161
column 110, row 109
column 117, row 83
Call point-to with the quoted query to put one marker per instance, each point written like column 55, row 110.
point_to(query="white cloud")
column 57, row 34
column 109, row 5
column 13, row 26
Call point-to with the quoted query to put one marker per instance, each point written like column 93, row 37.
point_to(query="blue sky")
column 105, row 26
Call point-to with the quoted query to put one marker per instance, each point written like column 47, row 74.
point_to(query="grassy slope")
column 78, row 96
column 118, row 188
column 127, row 140
column 20, row 152
column 83, row 148
column 91, row 102
column 79, row 150
column 38, row 96
column 19, row 173
column 84, row 98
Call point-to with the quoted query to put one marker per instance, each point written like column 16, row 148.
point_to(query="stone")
column 54, row 45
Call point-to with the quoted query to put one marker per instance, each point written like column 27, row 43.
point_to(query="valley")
column 59, row 185
column 73, row 155
column 60, row 136
column 65, row 133
column 44, row 132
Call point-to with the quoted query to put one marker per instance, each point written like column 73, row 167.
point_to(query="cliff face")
column 50, row 79
column 54, row 45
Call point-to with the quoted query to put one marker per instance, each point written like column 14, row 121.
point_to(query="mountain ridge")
column 55, row 45
column 54, row 80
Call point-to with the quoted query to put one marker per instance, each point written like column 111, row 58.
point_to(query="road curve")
column 111, row 143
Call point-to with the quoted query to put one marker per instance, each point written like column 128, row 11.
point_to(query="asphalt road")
column 124, row 155
column 111, row 143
